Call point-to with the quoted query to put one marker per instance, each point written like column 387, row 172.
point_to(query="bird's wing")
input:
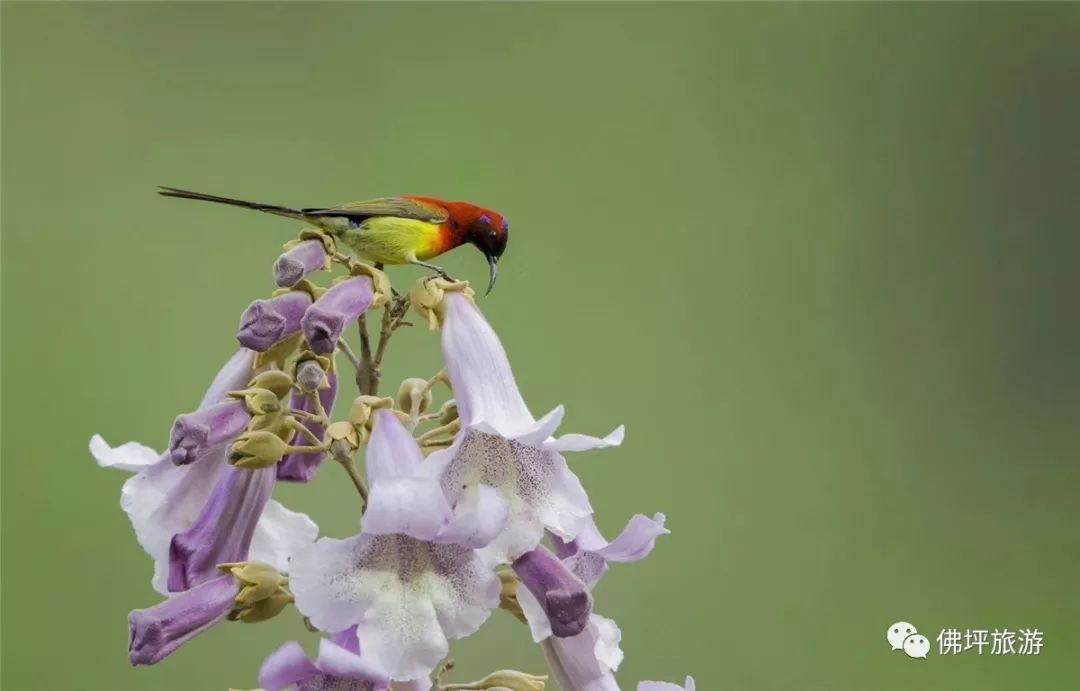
column 401, row 207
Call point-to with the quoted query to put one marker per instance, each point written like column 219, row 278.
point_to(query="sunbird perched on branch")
column 394, row 230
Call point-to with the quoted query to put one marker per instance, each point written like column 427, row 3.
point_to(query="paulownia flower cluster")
column 462, row 510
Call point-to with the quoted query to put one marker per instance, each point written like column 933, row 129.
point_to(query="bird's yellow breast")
column 392, row 240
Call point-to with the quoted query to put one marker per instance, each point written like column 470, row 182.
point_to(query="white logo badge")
column 903, row 636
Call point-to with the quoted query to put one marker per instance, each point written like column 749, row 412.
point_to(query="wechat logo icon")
column 904, row 636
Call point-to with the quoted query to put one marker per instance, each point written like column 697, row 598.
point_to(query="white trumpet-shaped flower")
column 502, row 447
column 163, row 499
column 412, row 579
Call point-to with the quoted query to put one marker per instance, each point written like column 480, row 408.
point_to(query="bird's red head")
column 487, row 230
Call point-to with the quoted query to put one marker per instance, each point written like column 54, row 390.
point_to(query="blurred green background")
column 823, row 261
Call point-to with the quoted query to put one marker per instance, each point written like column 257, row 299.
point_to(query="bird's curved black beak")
column 493, row 262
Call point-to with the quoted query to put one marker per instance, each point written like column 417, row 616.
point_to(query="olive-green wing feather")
column 400, row 207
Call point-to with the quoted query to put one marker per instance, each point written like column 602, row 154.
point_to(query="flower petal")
column 588, row 555
column 404, row 595
column 543, row 428
column 413, row 506
column 636, row 540
column 584, row 442
column 280, row 534
column 608, row 635
column 479, row 516
column 405, row 637
column 464, row 589
column 666, row 686
column 586, row 661
column 329, row 584
column 567, row 507
column 287, row 666
column 132, row 456
column 538, row 486
column 535, row 616
column 234, row 375
column 347, row 639
column 345, row 664
column 392, row 452
column 483, row 383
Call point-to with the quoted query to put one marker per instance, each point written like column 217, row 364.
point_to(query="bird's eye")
column 492, row 234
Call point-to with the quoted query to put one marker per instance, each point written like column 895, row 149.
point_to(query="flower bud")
column 263, row 609
column 311, row 375
column 259, row 449
column 195, row 434
column 258, row 581
column 278, row 423
column 414, row 396
column 300, row 259
column 263, row 592
column 258, row 401
column 265, row 322
column 344, row 440
column 448, row 412
column 159, row 631
column 326, row 319
column 362, row 407
column 301, row 466
column 564, row 597
column 273, row 380
column 427, row 294
column 380, row 283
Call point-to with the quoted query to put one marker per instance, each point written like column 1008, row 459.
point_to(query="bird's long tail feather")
column 267, row 208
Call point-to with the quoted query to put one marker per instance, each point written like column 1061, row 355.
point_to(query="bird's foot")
column 440, row 273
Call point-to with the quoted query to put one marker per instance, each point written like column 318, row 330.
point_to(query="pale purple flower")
column 339, row 667
column 300, row 260
column 157, row 632
column 325, row 321
column 502, row 447
column 688, row 685
column 301, row 467
column 587, row 661
column 163, row 499
column 223, row 531
column 266, row 322
column 411, row 580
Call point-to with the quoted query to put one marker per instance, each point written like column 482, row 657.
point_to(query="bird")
column 394, row 230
